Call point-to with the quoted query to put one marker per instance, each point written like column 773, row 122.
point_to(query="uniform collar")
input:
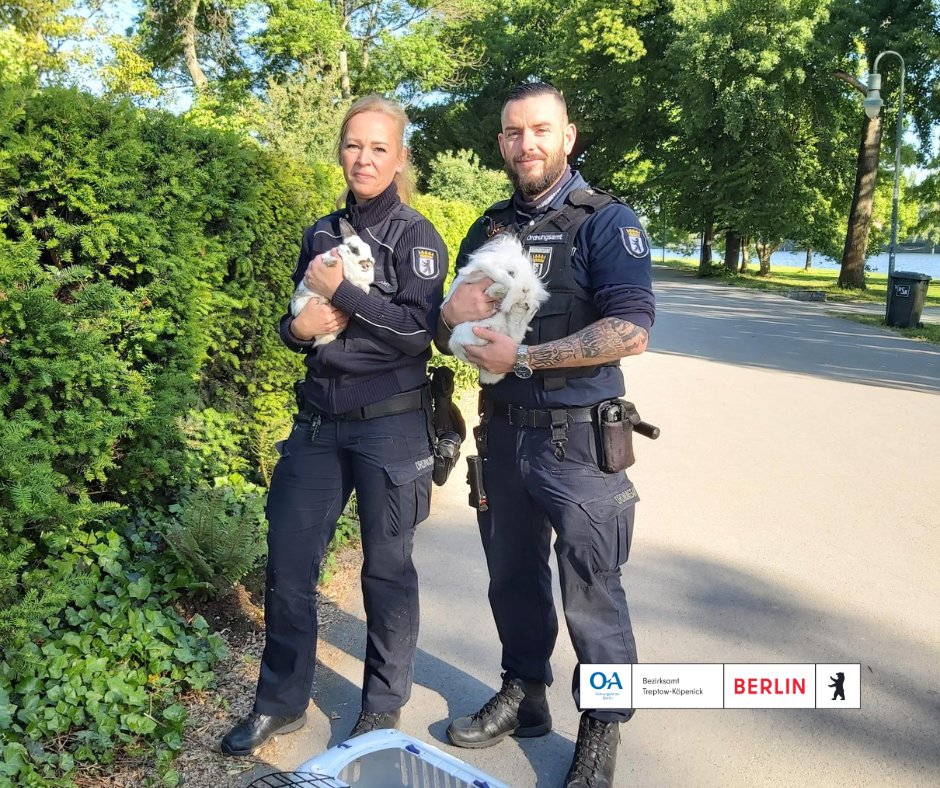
column 374, row 211
column 570, row 181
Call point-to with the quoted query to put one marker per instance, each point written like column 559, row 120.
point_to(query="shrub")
column 105, row 671
column 217, row 535
column 459, row 176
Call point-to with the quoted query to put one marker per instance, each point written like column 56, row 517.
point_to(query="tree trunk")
column 852, row 272
column 732, row 250
column 764, row 250
column 809, row 258
column 344, row 72
column 188, row 31
column 708, row 241
column 745, row 254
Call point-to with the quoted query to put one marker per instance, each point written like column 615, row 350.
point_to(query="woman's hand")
column 316, row 319
column 324, row 279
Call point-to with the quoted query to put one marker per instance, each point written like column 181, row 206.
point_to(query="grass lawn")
column 827, row 280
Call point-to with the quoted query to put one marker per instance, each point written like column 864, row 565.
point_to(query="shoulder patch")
column 634, row 241
column 424, row 262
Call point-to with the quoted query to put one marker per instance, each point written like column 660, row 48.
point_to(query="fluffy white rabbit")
column 518, row 290
column 358, row 269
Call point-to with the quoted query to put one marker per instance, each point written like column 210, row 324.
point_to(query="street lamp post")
column 873, row 104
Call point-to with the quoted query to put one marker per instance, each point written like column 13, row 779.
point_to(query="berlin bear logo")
column 838, row 683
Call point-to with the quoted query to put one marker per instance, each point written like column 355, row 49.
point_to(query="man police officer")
column 539, row 436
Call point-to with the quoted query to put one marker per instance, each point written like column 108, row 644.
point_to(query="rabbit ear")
column 346, row 229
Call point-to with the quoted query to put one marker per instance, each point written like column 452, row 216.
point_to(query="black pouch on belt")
column 616, row 435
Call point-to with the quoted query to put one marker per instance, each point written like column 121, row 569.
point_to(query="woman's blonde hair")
column 405, row 180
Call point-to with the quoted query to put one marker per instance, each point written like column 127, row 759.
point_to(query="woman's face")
column 371, row 154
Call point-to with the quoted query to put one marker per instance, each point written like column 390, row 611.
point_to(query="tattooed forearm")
column 606, row 340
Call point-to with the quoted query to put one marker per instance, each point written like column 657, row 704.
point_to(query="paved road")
column 790, row 513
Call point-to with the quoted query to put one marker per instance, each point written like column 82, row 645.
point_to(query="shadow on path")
column 759, row 329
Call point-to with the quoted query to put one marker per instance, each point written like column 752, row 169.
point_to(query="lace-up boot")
column 518, row 709
column 595, row 754
column 375, row 721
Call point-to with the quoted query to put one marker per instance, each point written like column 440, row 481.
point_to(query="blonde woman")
column 361, row 426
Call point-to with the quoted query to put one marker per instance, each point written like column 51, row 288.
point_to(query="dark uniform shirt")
column 608, row 261
column 386, row 345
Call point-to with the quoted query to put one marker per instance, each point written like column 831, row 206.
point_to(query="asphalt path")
column 790, row 513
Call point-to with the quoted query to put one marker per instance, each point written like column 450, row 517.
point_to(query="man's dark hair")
column 531, row 89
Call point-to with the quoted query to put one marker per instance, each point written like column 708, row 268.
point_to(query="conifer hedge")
column 144, row 263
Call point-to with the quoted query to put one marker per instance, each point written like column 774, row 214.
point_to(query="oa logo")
column 600, row 681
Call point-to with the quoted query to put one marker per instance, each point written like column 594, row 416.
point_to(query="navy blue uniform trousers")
column 387, row 461
column 531, row 493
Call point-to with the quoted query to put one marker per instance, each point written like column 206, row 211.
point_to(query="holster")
column 446, row 427
column 615, row 420
column 478, row 498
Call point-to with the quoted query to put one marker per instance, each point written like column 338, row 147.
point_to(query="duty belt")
column 524, row 417
column 405, row 402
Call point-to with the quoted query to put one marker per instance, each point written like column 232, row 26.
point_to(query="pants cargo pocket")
column 611, row 527
column 409, row 491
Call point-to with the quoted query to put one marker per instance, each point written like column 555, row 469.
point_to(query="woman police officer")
column 362, row 425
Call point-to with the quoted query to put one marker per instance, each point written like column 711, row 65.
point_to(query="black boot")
column 375, row 721
column 595, row 754
column 256, row 729
column 519, row 709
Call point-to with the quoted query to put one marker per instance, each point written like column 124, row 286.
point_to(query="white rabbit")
column 519, row 291
column 358, row 269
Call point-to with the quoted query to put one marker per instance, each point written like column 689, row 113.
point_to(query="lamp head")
column 873, row 104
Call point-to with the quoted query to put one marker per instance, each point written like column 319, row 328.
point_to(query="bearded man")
column 539, row 436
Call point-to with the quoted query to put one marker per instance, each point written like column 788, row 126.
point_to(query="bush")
column 459, row 176
column 218, row 535
column 105, row 671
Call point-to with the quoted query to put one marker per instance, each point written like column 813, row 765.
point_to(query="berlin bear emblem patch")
column 635, row 241
column 424, row 262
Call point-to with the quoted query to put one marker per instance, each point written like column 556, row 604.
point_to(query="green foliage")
column 104, row 672
column 21, row 614
column 218, row 534
column 451, row 218
column 300, row 115
column 34, row 34
column 346, row 535
column 459, row 177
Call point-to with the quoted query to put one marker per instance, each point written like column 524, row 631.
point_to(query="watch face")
column 522, row 371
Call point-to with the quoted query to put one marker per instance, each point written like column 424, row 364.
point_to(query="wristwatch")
column 521, row 368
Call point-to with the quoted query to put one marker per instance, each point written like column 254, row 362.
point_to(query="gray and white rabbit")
column 515, row 286
column 358, row 269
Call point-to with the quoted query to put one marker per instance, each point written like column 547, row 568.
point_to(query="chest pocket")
column 386, row 278
column 551, row 321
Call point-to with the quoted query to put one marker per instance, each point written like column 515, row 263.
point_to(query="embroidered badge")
column 545, row 238
column 541, row 257
column 627, row 495
column 634, row 239
column 424, row 262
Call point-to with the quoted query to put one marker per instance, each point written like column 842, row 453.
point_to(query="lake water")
column 903, row 261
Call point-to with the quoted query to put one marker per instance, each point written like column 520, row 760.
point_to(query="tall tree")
column 199, row 42
column 371, row 45
column 35, row 34
column 858, row 32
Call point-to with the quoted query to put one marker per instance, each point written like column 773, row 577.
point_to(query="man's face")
column 535, row 143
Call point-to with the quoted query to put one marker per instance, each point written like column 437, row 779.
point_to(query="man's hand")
column 498, row 356
column 321, row 278
column 470, row 302
column 316, row 319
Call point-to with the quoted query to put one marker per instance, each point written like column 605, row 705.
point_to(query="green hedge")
column 143, row 266
column 144, row 263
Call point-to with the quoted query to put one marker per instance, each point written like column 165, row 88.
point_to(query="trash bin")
column 908, row 293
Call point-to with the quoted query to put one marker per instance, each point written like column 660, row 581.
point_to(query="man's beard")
column 531, row 186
